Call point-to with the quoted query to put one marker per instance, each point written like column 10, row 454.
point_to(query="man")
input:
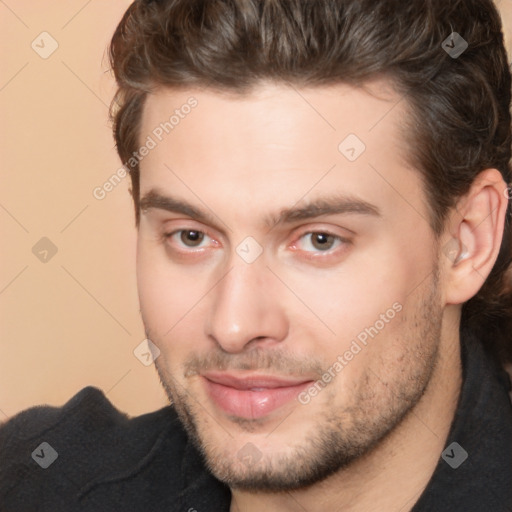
column 323, row 264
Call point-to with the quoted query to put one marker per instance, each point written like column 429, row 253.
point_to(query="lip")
column 251, row 396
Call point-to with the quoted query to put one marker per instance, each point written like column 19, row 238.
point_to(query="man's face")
column 291, row 348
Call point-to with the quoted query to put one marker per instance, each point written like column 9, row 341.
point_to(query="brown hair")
column 460, row 122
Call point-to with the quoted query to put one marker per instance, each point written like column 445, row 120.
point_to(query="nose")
column 247, row 308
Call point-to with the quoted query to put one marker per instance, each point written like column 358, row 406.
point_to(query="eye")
column 190, row 238
column 319, row 241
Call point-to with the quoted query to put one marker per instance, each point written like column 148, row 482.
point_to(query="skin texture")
column 371, row 437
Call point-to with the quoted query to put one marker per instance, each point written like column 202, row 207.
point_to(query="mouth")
column 251, row 396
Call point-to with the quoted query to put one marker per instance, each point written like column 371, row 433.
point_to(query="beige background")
column 73, row 320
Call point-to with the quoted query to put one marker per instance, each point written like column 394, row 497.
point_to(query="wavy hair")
column 460, row 119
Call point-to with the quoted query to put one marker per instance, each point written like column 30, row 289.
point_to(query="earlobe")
column 476, row 229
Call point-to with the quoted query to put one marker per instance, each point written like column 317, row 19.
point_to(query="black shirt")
column 99, row 459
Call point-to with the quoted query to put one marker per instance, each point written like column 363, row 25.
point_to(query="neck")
column 394, row 474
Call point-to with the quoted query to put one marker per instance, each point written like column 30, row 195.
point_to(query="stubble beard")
column 339, row 436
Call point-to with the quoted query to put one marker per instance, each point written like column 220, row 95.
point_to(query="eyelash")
column 308, row 254
column 323, row 254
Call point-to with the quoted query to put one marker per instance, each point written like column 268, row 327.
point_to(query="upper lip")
column 252, row 381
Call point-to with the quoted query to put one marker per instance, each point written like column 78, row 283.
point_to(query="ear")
column 473, row 236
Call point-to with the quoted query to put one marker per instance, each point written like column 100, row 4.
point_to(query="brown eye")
column 191, row 237
column 322, row 241
column 319, row 241
column 321, row 246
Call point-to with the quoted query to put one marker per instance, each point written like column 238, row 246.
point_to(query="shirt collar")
column 482, row 429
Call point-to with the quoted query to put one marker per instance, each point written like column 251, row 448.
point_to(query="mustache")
column 274, row 361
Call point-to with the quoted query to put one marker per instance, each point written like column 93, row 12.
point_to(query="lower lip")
column 251, row 404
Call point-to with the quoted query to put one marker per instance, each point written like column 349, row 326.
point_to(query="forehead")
column 277, row 144
column 276, row 113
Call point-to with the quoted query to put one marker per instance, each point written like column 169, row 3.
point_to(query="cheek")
column 353, row 297
column 360, row 309
column 162, row 293
column 171, row 302
column 163, row 314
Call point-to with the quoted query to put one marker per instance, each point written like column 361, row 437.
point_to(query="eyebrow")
column 330, row 205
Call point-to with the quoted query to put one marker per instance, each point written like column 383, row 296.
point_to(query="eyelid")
column 164, row 220
column 322, row 232
column 333, row 231
column 169, row 234
column 170, row 226
column 306, row 231
column 318, row 255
